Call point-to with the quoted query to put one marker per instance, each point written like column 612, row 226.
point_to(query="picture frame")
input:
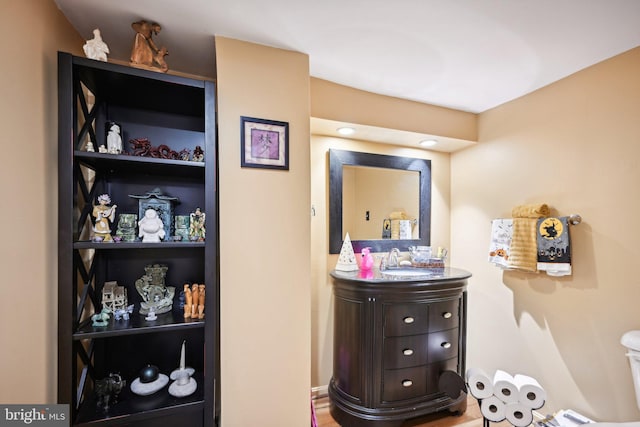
column 264, row 143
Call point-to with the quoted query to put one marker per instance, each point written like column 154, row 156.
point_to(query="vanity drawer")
column 443, row 345
column 401, row 384
column 444, row 315
column 403, row 352
column 406, row 319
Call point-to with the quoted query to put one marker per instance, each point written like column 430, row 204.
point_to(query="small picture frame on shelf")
column 264, row 143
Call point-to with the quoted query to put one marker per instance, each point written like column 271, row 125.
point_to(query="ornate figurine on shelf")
column 155, row 295
column 194, row 301
column 182, row 227
column 198, row 154
column 96, row 48
column 108, row 389
column 151, row 227
column 145, row 53
column 162, row 204
column 182, row 385
column 127, row 227
column 114, row 297
column 114, row 139
column 102, row 318
column 104, row 215
column 197, row 229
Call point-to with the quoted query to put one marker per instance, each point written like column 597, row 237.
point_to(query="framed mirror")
column 366, row 190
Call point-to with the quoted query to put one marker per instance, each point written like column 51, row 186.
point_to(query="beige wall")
column 322, row 263
column 336, row 102
column 28, row 188
column 576, row 146
column 264, row 242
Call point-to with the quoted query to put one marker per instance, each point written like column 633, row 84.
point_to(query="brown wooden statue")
column 145, row 53
column 188, row 301
column 195, row 293
column 201, row 302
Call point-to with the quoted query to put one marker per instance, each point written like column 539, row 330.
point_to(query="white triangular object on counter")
column 347, row 258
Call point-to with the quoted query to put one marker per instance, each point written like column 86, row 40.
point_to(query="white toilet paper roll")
column 493, row 409
column 518, row 414
column 479, row 383
column 504, row 388
column 530, row 392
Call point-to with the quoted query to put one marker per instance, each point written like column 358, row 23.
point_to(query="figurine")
column 96, row 48
column 104, row 214
column 164, row 205
column 151, row 315
column 367, row 259
column 201, row 302
column 195, row 295
column 123, row 313
column 182, row 227
column 114, row 140
column 144, row 51
column 183, row 385
column 197, row 229
column 101, row 319
column 151, row 227
column 155, row 295
column 108, row 389
column 127, row 227
column 188, row 301
column 198, row 154
column 114, row 297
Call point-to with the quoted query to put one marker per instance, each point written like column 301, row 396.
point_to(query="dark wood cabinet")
column 393, row 340
column 174, row 113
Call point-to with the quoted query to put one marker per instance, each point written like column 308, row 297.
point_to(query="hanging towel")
column 524, row 254
column 554, row 246
column 500, row 246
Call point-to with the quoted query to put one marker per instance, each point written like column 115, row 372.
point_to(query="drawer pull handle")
column 408, row 319
column 446, row 345
column 407, row 383
column 407, row 352
column 447, row 315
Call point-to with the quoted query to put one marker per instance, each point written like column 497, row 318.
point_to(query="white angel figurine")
column 95, row 48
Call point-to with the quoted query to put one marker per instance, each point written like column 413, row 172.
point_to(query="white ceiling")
column 470, row 55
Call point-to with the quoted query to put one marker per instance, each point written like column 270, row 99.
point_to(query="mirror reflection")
column 375, row 200
column 393, row 192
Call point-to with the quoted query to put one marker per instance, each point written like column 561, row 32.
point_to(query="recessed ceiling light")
column 346, row 131
column 428, row 142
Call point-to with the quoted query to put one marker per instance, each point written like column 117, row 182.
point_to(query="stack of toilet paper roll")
column 506, row 397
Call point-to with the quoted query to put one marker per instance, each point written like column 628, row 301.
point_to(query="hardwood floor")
column 471, row 418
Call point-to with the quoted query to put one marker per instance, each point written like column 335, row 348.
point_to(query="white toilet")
column 631, row 340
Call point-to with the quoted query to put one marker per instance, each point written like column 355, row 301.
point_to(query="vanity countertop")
column 403, row 274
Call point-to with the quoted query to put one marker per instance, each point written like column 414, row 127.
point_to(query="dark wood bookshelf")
column 168, row 110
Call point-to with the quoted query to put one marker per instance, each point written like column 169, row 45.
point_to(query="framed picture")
column 264, row 143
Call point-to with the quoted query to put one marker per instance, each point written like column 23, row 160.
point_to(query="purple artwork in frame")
column 264, row 143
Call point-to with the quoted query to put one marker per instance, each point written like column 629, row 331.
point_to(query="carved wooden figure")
column 188, row 301
column 201, row 302
column 145, row 53
column 195, row 293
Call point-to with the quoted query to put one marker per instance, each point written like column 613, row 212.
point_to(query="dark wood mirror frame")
column 339, row 158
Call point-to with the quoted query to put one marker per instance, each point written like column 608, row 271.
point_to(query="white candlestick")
column 182, row 366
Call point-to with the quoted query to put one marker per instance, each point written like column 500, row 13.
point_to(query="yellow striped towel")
column 524, row 248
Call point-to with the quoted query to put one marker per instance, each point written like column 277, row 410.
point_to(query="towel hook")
column 575, row 219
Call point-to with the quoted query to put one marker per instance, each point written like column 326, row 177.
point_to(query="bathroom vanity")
column 399, row 345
